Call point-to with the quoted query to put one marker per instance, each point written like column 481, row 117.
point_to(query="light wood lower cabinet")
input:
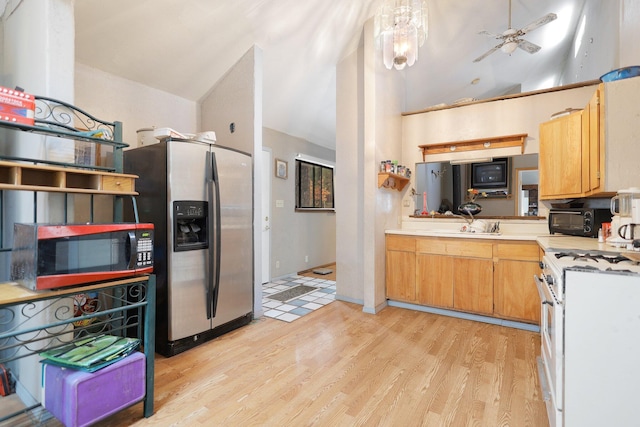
column 473, row 285
column 488, row 277
column 434, row 280
column 515, row 294
column 401, row 268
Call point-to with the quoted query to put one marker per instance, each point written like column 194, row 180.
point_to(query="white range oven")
column 589, row 365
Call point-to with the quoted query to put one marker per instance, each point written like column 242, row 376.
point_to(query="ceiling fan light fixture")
column 509, row 46
column 401, row 29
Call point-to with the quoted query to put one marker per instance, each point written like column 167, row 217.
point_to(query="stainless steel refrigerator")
column 199, row 196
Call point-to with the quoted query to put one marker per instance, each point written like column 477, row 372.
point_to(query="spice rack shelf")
column 392, row 181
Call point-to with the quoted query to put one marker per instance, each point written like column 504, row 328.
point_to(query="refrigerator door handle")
column 209, row 279
column 215, row 238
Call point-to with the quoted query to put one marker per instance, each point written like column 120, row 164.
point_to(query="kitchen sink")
column 462, row 233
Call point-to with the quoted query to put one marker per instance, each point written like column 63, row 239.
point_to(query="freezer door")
column 187, row 273
column 234, row 180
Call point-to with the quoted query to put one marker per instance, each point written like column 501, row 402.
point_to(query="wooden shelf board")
column 13, row 293
column 392, row 181
column 474, row 145
column 26, row 177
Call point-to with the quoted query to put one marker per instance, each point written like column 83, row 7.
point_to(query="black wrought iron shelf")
column 43, row 129
column 34, row 321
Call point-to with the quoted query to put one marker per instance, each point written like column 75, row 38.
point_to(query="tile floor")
column 295, row 308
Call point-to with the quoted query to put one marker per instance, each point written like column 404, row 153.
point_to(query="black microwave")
column 578, row 221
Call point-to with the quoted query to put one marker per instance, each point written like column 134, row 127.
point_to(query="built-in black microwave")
column 490, row 175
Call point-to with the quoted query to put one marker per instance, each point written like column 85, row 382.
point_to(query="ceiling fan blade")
column 538, row 23
column 489, row 52
column 487, row 33
column 528, row 46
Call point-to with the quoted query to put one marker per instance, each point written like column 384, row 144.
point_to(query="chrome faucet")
column 468, row 221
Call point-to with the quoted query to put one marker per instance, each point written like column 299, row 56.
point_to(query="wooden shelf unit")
column 392, row 181
column 19, row 176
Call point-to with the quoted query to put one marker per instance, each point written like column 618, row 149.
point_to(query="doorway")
column 527, row 192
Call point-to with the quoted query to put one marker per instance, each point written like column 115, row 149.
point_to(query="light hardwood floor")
column 341, row 367
column 330, row 276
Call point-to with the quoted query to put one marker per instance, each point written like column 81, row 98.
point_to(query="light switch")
column 279, row 203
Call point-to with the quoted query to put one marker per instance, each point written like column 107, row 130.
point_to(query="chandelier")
column 402, row 28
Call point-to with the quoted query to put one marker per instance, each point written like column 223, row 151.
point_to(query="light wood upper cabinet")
column 593, row 152
column 560, row 158
column 595, row 141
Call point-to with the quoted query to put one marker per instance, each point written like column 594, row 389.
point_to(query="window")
column 314, row 186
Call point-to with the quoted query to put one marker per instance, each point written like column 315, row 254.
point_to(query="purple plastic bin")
column 79, row 398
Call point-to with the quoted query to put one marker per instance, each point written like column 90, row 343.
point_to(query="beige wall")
column 137, row 106
column 296, row 235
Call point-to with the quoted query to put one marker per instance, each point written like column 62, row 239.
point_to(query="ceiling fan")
column 511, row 39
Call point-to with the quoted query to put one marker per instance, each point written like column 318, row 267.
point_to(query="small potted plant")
column 471, row 207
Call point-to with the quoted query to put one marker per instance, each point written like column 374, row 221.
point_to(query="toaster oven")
column 578, row 221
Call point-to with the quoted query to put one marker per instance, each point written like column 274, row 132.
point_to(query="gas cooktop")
column 594, row 260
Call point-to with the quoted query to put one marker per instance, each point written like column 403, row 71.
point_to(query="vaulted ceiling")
column 184, row 47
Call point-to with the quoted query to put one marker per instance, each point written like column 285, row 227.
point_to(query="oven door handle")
column 542, row 291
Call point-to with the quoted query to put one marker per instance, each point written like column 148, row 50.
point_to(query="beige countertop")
column 546, row 241
column 466, row 235
column 537, row 231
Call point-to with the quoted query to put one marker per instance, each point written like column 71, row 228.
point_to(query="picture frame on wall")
column 282, row 168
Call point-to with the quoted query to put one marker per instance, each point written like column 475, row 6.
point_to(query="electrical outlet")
column 405, row 203
column 277, row 264
column 306, row 258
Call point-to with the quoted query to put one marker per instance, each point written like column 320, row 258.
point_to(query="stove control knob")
column 588, row 214
column 587, row 228
column 549, row 280
column 541, row 264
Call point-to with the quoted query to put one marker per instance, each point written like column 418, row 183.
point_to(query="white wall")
column 112, row 98
column 598, row 52
column 628, row 47
column 295, row 235
column 237, row 98
column 232, row 100
column 370, row 99
column 384, row 103
column 37, row 54
column 349, row 192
